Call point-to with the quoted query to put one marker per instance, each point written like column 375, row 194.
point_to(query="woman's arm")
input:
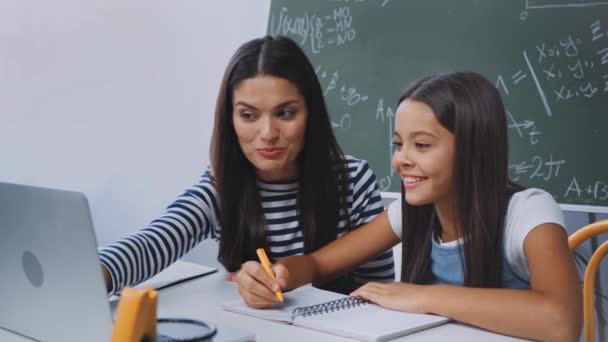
column 189, row 219
column 341, row 255
column 551, row 310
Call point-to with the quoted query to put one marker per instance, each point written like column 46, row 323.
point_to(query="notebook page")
column 281, row 312
column 370, row 323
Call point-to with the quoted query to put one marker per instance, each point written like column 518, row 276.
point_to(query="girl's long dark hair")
column 470, row 107
column 321, row 165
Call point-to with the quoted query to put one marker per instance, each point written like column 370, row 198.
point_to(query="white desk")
column 202, row 298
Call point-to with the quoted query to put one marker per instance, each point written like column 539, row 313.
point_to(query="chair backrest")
column 574, row 241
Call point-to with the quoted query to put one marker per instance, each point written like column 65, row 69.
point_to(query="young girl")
column 477, row 248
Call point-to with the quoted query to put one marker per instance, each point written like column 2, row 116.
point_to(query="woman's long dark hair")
column 321, row 164
column 469, row 106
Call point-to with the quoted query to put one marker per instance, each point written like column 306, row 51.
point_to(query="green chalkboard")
column 548, row 58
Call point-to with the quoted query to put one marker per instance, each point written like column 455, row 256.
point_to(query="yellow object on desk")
column 135, row 316
column 266, row 263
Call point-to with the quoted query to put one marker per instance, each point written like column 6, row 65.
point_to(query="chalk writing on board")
column 319, row 31
column 384, row 113
column 348, row 94
column 559, row 74
column 387, row 113
column 541, row 92
column 597, row 190
column 345, row 122
column 504, row 85
column 566, row 74
column 596, row 30
column 384, row 183
column 538, row 167
column 525, row 129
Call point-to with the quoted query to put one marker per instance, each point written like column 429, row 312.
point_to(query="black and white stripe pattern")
column 194, row 216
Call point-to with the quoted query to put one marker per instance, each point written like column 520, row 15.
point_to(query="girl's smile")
column 410, row 182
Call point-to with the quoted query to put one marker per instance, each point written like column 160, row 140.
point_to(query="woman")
column 477, row 248
column 277, row 180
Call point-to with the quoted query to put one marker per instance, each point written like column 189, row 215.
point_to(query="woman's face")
column 424, row 154
column 269, row 117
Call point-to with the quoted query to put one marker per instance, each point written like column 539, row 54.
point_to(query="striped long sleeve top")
column 194, row 216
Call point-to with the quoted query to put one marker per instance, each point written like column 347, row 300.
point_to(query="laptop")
column 51, row 284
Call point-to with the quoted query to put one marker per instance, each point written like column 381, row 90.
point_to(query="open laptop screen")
column 51, row 285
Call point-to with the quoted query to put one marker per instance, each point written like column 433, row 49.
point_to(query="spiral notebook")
column 338, row 314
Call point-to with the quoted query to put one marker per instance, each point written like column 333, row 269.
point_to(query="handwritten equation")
column 538, row 167
column 569, row 75
column 524, row 129
column 346, row 93
column 597, row 190
column 316, row 30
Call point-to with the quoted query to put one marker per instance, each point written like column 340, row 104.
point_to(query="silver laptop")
column 51, row 285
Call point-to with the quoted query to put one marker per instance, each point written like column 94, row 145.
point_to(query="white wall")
column 115, row 98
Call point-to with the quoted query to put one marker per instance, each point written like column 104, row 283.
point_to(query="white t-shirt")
column 527, row 210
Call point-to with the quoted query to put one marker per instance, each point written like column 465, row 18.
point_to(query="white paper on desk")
column 368, row 322
column 178, row 272
column 281, row 312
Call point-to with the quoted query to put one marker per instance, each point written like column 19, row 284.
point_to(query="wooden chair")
column 574, row 241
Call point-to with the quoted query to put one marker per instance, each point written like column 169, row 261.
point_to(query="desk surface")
column 201, row 299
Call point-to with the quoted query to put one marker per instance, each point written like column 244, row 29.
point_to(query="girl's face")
column 424, row 153
column 269, row 117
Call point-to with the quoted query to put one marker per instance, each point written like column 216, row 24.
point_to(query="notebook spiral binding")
column 334, row 305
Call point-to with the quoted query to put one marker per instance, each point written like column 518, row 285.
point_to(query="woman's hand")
column 258, row 288
column 395, row 296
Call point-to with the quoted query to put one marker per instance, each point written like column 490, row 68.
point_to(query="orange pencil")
column 266, row 263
